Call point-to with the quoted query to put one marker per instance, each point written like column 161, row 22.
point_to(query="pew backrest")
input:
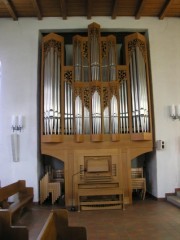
column 12, row 189
column 24, row 194
column 49, row 229
column 56, row 227
column 11, row 232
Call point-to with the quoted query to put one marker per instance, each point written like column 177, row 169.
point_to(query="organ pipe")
column 140, row 111
column 51, row 89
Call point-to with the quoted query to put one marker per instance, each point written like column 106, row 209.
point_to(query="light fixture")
column 17, row 126
column 15, row 144
column 175, row 111
column 17, row 123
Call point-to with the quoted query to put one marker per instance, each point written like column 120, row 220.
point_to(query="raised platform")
column 174, row 199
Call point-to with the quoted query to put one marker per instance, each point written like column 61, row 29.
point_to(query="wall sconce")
column 17, row 126
column 17, row 123
column 175, row 111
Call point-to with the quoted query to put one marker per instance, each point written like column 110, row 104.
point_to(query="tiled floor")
column 143, row 220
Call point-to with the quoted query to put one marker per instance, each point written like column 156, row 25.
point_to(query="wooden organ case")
column 96, row 115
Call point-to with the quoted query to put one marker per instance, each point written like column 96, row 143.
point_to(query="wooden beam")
column 10, row 9
column 63, row 9
column 37, row 9
column 115, row 9
column 140, row 9
column 165, row 9
column 89, row 9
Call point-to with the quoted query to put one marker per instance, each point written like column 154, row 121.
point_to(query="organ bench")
column 105, row 195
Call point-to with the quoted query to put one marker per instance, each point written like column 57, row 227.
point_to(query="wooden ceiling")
column 63, row 9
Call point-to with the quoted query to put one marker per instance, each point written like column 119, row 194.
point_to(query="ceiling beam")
column 37, row 9
column 89, row 9
column 115, row 9
column 63, row 9
column 10, row 9
column 140, row 9
column 165, row 9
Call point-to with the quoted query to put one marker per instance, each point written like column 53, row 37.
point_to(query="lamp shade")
column 172, row 110
column 15, row 146
column 178, row 110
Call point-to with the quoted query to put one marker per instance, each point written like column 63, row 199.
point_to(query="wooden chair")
column 136, row 172
column 58, row 175
column 138, row 182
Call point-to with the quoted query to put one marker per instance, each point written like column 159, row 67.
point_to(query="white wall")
column 19, row 82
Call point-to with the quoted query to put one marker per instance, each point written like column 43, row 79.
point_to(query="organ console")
column 96, row 113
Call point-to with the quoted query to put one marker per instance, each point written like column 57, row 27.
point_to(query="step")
column 178, row 193
column 174, row 199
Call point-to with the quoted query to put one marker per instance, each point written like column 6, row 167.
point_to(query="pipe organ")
column 95, row 105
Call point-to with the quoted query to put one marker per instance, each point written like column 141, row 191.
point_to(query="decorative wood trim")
column 96, row 137
column 141, row 136
column 79, row 137
column 115, row 137
column 51, row 138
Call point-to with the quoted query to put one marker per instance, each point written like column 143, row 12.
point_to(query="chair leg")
column 144, row 193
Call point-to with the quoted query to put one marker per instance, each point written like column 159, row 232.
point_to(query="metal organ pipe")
column 106, row 120
column 139, row 92
column 78, row 115
column 77, row 61
column 68, row 110
column 114, row 115
column 112, row 77
column 55, row 93
column 112, row 62
column 51, row 92
column 94, row 45
column 96, row 113
column 58, row 96
column 143, row 98
column 124, row 107
column 95, row 76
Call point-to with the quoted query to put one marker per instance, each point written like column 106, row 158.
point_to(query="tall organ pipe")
column 51, row 92
column 77, row 61
column 139, row 92
column 112, row 77
column 114, row 115
column 94, row 45
column 143, row 99
column 78, row 115
column 96, row 113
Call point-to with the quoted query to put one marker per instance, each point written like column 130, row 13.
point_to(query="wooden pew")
column 24, row 199
column 11, row 232
column 56, row 228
